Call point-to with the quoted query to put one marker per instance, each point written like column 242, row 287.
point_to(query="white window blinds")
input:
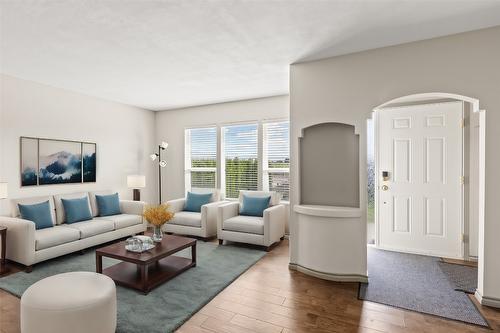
column 240, row 147
column 276, row 158
column 201, row 158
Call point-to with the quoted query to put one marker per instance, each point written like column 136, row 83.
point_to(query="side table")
column 3, row 240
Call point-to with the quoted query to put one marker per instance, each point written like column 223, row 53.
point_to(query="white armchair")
column 203, row 224
column 263, row 231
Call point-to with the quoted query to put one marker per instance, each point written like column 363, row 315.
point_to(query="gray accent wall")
column 347, row 88
column 329, row 164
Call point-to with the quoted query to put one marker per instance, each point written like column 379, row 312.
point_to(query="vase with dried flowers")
column 157, row 216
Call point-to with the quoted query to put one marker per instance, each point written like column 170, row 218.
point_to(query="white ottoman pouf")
column 76, row 302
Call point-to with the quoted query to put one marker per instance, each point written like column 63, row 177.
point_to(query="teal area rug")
column 166, row 307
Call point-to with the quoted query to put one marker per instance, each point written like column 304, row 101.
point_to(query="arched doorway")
column 471, row 172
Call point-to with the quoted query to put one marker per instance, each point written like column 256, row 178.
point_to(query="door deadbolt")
column 385, row 187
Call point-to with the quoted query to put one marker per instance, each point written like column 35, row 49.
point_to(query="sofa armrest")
column 176, row 205
column 132, row 207
column 20, row 240
column 226, row 211
column 209, row 216
column 274, row 223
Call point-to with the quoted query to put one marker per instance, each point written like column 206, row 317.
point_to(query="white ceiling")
column 168, row 54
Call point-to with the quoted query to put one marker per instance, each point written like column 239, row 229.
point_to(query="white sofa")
column 203, row 224
column 29, row 246
column 263, row 231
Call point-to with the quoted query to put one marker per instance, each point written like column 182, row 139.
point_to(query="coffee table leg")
column 193, row 254
column 98, row 263
column 144, row 278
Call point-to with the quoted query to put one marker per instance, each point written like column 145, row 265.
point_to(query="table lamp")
column 136, row 182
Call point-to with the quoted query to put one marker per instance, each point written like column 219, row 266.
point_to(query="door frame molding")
column 430, row 98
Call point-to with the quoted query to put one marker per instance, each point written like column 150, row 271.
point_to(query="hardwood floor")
column 269, row 298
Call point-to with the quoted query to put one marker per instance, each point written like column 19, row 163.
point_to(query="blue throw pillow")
column 108, row 204
column 254, row 206
column 194, row 201
column 77, row 210
column 38, row 213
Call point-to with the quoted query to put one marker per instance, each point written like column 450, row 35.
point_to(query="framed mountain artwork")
column 89, row 164
column 49, row 161
column 29, row 161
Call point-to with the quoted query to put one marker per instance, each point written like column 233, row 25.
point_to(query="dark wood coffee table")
column 147, row 270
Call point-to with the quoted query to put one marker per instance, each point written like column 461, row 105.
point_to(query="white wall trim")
column 329, row 276
column 431, row 96
column 488, row 301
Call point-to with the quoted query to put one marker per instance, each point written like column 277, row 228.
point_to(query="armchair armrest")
column 209, row 216
column 274, row 223
column 226, row 211
column 20, row 240
column 176, row 205
column 132, row 207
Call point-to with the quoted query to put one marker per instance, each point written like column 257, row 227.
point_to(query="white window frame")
column 266, row 170
column 222, row 159
column 187, row 158
column 220, row 170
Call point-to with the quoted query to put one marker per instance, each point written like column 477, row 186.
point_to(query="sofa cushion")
column 190, row 219
column 39, row 213
column 77, row 210
column 50, row 237
column 14, row 205
column 93, row 201
column 108, row 204
column 246, row 224
column 91, row 228
column 60, row 213
column 123, row 220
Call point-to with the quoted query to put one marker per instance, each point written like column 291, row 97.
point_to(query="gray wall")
column 329, row 164
column 346, row 89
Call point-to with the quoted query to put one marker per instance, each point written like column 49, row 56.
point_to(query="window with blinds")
column 201, row 158
column 276, row 158
column 241, row 169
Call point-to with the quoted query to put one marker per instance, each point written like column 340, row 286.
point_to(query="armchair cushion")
column 194, row 201
column 190, row 219
column 39, row 213
column 275, row 196
column 254, row 206
column 50, row 237
column 245, row 224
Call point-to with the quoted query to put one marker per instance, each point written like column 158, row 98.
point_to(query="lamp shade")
column 3, row 191
column 136, row 181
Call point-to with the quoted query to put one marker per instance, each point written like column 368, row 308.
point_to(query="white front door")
column 420, row 203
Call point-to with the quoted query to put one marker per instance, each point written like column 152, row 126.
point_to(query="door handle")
column 385, row 187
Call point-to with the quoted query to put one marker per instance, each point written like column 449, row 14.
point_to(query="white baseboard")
column 329, row 276
column 488, row 301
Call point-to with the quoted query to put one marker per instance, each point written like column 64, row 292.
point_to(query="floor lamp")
column 161, row 165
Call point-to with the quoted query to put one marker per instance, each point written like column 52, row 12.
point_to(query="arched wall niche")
column 329, row 165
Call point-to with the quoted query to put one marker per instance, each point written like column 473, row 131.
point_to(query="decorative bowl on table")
column 139, row 244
